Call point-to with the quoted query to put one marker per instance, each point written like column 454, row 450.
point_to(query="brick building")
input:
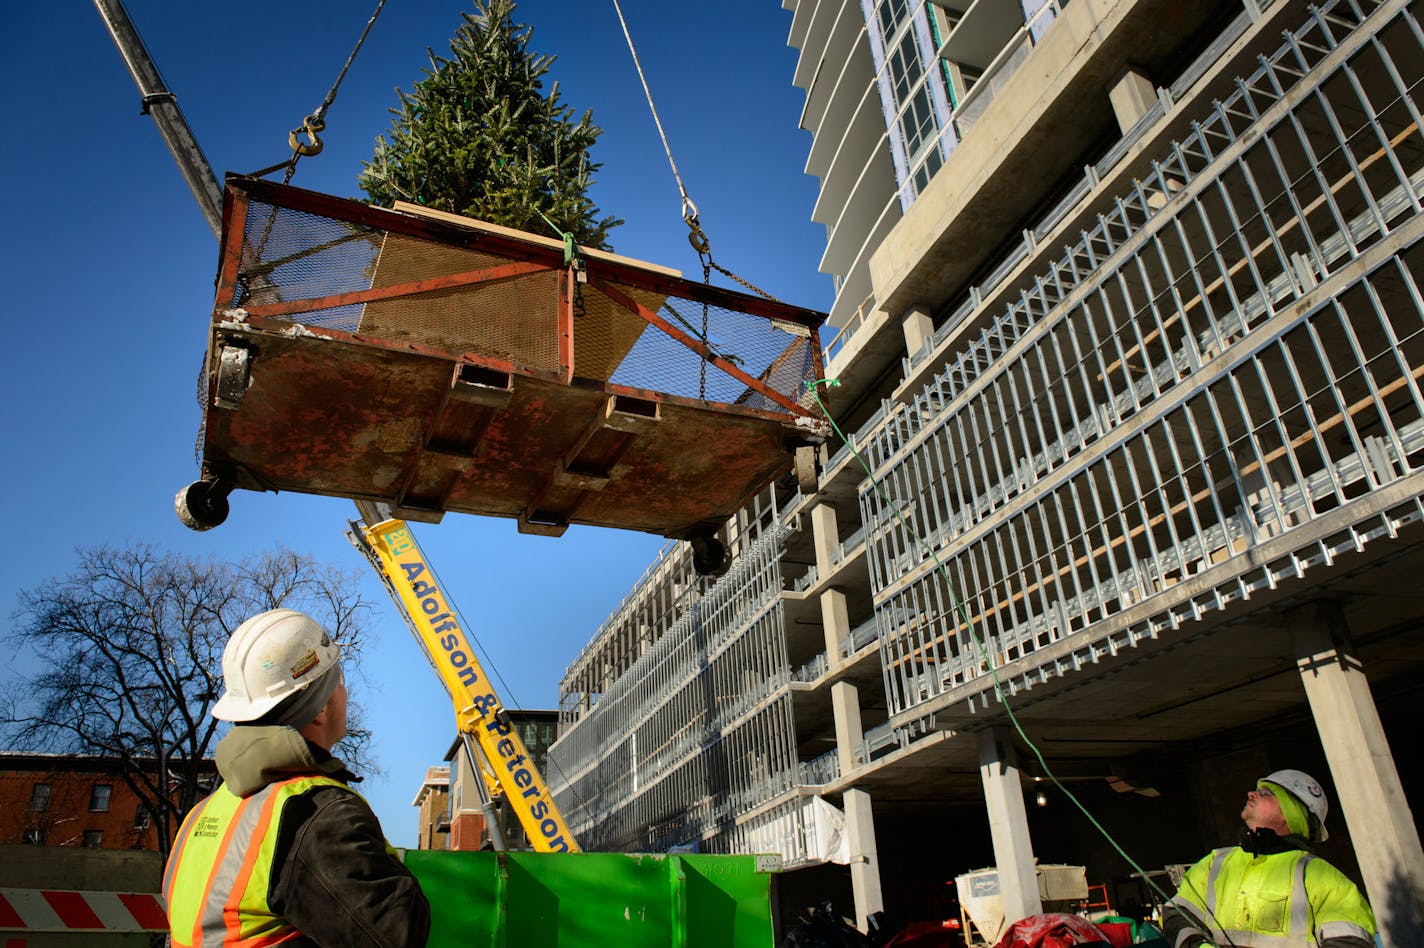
column 72, row 800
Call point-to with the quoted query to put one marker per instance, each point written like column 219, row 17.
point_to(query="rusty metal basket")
column 438, row 363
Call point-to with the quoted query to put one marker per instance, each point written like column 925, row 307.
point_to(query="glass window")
column 905, row 67
column 39, row 797
column 34, row 836
column 141, row 817
column 890, row 14
column 927, row 169
column 917, row 125
column 914, row 91
column 93, row 839
column 99, row 798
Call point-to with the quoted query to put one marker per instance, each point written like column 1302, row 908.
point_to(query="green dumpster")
column 596, row 899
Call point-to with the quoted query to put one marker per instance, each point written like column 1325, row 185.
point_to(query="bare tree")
column 128, row 659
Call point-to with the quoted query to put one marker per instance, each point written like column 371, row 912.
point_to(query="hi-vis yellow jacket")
column 217, row 877
column 1279, row 900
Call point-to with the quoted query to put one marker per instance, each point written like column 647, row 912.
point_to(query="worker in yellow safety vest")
column 284, row 850
column 1270, row 892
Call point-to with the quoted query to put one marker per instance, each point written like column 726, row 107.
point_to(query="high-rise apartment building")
column 1129, row 340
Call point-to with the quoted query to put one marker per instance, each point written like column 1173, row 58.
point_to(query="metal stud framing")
column 1227, row 362
column 697, row 730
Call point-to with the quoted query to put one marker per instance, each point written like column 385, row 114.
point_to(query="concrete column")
column 1382, row 828
column 918, row 326
column 1008, row 825
column 1131, row 97
column 864, row 864
column 850, row 733
column 835, row 622
column 826, row 535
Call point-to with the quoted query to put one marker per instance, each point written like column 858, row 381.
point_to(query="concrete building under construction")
column 1130, row 328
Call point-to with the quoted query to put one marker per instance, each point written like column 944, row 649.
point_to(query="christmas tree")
column 477, row 136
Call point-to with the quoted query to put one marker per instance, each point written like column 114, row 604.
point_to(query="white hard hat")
column 1308, row 791
column 271, row 656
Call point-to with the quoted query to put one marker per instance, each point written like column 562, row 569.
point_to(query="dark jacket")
column 332, row 877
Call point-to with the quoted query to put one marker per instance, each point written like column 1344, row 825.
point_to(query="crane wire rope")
column 696, row 236
column 689, row 209
column 958, row 605
column 314, row 124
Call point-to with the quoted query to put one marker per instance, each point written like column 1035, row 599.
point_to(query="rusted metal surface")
column 348, row 400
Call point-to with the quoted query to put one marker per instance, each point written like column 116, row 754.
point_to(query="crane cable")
column 689, row 208
column 697, row 237
column 314, row 124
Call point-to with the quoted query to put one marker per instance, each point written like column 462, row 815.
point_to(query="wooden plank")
column 486, row 227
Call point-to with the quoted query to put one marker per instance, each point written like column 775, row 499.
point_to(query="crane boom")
column 479, row 713
column 162, row 105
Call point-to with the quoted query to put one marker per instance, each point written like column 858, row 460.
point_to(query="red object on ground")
column 928, row 935
column 1052, row 931
column 1119, row 933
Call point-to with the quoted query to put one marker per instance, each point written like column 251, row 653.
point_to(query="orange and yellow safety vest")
column 218, row 873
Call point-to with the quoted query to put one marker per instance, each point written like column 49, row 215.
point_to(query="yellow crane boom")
column 479, row 713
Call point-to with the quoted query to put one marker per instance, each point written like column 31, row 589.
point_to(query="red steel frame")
column 528, row 257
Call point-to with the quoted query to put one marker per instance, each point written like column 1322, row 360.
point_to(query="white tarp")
column 826, row 826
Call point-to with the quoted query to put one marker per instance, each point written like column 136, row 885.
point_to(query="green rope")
column 570, row 248
column 958, row 604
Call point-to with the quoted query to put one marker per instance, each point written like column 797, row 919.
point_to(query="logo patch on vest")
column 207, row 827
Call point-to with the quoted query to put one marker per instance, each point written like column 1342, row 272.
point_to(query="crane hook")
column 696, row 237
column 311, row 125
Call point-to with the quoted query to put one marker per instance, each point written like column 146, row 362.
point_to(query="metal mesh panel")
column 293, row 255
column 652, row 359
column 513, row 318
column 290, row 254
column 392, row 286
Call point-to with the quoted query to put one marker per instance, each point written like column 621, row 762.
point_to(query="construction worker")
column 284, row 850
column 1269, row 890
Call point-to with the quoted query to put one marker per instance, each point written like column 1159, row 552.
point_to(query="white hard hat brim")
column 229, row 708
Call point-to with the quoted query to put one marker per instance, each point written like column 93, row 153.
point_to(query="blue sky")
column 107, row 271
